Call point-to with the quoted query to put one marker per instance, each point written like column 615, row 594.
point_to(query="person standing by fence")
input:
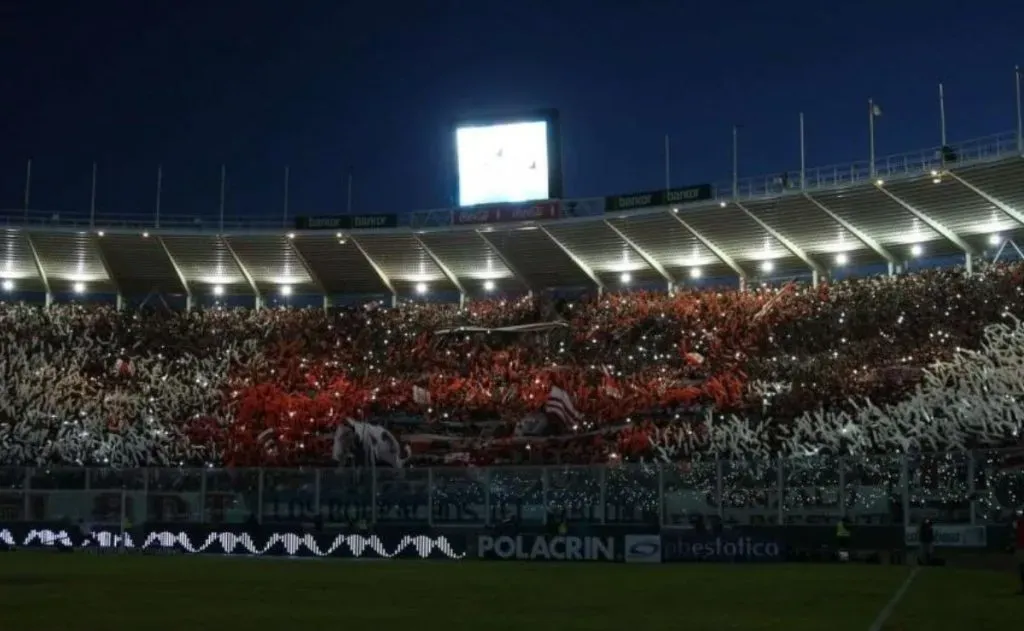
column 1018, row 540
column 926, row 542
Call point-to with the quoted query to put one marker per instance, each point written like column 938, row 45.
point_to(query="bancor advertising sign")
column 724, row 548
column 951, row 536
column 542, row 548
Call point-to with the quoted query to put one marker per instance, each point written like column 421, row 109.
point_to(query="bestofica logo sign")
column 720, row 549
column 538, row 548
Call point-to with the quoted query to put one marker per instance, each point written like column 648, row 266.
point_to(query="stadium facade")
column 898, row 213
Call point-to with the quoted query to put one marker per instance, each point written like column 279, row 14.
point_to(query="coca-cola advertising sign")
column 505, row 213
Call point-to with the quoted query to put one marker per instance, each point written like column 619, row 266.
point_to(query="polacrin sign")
column 542, row 548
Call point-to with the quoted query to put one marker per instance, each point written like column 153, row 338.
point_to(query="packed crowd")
column 644, row 374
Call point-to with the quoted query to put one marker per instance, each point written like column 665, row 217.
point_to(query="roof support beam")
column 506, row 262
column 945, row 232
column 95, row 241
column 178, row 272
column 377, row 269
column 39, row 269
column 717, row 251
column 444, row 270
column 860, row 235
column 245, row 273
column 650, row 260
column 309, row 270
column 575, row 259
column 1010, row 211
column 817, row 270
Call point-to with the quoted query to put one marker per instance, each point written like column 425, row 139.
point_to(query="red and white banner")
column 504, row 213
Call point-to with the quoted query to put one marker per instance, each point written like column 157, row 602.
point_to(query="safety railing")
column 903, row 165
column 979, row 487
column 920, row 162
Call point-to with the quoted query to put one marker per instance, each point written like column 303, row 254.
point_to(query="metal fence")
column 88, row 215
column 964, row 487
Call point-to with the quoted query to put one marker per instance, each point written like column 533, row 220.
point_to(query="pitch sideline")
column 887, row 611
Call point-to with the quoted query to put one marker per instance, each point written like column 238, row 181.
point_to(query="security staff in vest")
column 843, row 537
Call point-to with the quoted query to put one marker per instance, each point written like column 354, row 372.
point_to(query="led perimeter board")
column 508, row 159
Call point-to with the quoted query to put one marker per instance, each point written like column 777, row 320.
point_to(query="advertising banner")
column 198, row 540
column 505, row 213
column 650, row 199
column 642, row 549
column 952, row 536
column 346, row 222
column 545, row 548
column 726, row 548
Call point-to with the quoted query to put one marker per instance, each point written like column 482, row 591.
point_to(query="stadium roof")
column 851, row 215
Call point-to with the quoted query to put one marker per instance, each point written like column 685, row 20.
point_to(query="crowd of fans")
column 92, row 385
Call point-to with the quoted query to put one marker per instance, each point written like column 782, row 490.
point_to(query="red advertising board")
column 506, row 213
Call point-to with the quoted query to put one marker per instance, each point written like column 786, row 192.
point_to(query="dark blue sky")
column 323, row 85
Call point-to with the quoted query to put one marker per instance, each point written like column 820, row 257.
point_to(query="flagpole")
column 1020, row 117
column 735, row 161
column 92, row 199
column 159, row 194
column 28, row 186
column 287, row 174
column 942, row 118
column 668, row 164
column 871, row 137
column 348, row 204
column 803, row 155
column 223, row 191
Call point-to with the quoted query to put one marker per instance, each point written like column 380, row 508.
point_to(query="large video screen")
column 505, row 162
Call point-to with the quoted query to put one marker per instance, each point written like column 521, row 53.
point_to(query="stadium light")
column 100, row 233
column 842, row 258
column 8, row 284
column 286, row 290
column 218, row 290
column 994, row 239
column 625, row 278
column 421, row 288
column 79, row 288
column 916, row 250
column 695, row 272
column 488, row 285
column 145, row 235
column 767, row 266
column 879, row 182
column 722, row 204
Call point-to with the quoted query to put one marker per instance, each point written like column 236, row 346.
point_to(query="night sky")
column 373, row 86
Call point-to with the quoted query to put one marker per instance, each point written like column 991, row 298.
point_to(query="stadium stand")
column 520, row 379
column 93, row 385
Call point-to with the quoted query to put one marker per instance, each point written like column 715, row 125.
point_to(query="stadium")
column 567, row 380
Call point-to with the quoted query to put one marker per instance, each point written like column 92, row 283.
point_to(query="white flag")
column 377, row 445
column 420, row 396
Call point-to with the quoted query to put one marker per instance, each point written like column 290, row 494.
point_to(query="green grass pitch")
column 81, row 592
